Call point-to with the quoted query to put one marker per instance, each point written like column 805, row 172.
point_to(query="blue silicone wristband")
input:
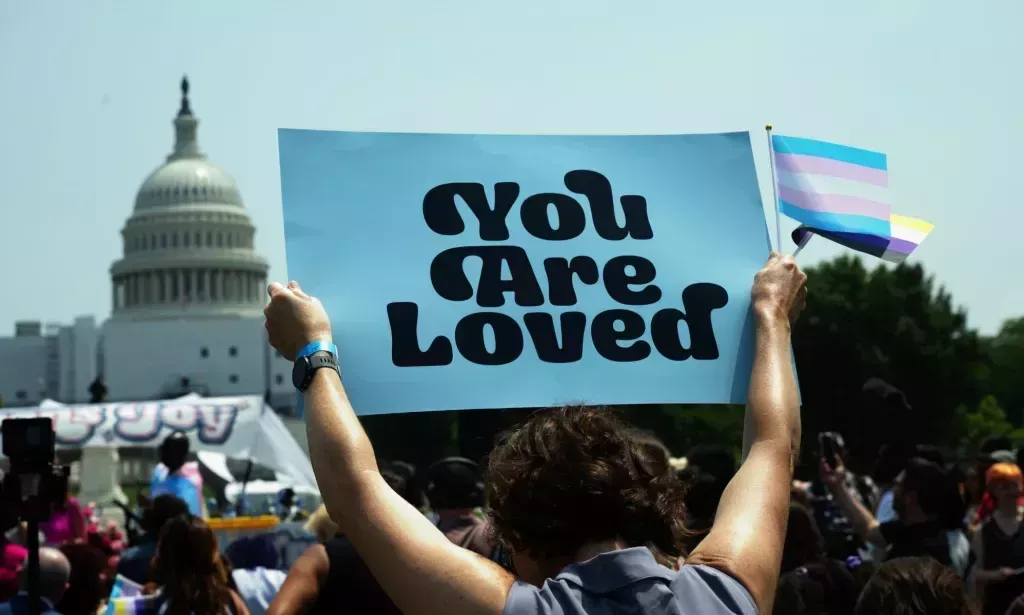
column 317, row 346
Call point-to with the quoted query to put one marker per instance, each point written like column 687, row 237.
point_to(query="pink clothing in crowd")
column 12, row 557
column 65, row 525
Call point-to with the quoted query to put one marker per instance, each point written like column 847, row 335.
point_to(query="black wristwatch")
column 306, row 366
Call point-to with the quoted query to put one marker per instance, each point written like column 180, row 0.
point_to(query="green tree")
column 1006, row 359
column 988, row 419
column 895, row 324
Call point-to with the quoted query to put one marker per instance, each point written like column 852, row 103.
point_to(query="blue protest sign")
column 499, row 271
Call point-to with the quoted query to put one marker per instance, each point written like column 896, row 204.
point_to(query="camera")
column 33, row 486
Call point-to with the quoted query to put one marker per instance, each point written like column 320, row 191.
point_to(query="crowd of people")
column 572, row 512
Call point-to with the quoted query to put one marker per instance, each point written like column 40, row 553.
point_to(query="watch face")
column 299, row 369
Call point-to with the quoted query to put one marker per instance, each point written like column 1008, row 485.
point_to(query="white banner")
column 239, row 427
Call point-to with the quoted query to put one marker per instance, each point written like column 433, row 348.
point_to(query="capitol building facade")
column 187, row 296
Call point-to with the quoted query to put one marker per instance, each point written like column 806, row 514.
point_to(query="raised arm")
column 420, row 569
column 864, row 524
column 750, row 525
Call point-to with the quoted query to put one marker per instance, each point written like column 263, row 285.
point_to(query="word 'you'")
column 628, row 280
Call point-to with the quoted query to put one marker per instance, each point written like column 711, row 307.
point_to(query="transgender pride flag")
column 832, row 187
column 842, row 193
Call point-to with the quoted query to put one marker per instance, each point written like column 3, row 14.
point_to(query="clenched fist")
column 780, row 289
column 294, row 319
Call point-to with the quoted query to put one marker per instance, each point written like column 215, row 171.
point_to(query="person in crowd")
column 413, row 491
column 286, row 507
column 12, row 554
column 974, row 489
column 708, row 471
column 914, row 586
column 253, row 562
column 818, row 588
column 952, row 514
column 455, row 491
column 804, row 542
column 999, row 545
column 89, row 583
column 566, row 495
column 321, row 525
column 918, row 500
column 702, row 493
column 98, row 391
column 174, row 475
column 187, row 576
column 862, row 487
column 811, row 582
column 892, row 459
column 993, row 451
column 135, row 562
column 54, row 574
column 66, row 524
column 333, row 574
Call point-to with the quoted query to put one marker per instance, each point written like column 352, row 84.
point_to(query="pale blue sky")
column 89, row 90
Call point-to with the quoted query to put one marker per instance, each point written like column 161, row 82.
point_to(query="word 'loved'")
column 628, row 280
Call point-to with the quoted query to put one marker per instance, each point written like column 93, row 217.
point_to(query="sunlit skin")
column 423, row 572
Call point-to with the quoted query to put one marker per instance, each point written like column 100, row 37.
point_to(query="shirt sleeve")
column 705, row 590
column 525, row 599
column 885, row 512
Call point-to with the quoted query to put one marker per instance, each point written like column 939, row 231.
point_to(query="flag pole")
column 775, row 190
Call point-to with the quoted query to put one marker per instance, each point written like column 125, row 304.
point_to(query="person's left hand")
column 294, row 319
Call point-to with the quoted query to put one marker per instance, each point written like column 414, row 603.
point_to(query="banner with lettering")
column 238, row 427
column 498, row 271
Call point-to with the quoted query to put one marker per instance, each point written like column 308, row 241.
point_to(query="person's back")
column 914, row 586
column 630, row 580
column 455, row 490
column 189, row 572
column 87, row 586
column 350, row 584
column 134, row 562
column 174, row 476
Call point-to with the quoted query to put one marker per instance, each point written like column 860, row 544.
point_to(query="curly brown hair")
column 914, row 586
column 574, row 475
column 189, row 568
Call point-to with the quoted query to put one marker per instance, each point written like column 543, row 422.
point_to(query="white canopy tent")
column 237, row 427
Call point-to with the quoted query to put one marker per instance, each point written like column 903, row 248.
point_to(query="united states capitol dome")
column 186, row 181
column 188, row 245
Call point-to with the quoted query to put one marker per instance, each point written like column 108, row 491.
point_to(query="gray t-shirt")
column 631, row 581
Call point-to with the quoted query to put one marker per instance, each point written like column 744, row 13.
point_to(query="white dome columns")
column 188, row 286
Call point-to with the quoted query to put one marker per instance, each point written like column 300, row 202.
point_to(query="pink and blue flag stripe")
column 832, row 187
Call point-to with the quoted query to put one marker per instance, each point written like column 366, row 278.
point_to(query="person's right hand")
column 294, row 319
column 1006, row 573
column 780, row 289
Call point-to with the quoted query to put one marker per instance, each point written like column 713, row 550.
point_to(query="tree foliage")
column 987, row 420
column 892, row 323
column 1006, row 362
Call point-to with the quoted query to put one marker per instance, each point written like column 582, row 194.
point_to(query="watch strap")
column 317, row 346
column 309, row 365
